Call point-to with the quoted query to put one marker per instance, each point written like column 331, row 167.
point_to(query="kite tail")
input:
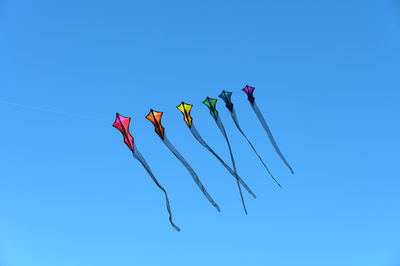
column 222, row 128
column 235, row 120
column 140, row 158
column 191, row 171
column 197, row 136
column 271, row 138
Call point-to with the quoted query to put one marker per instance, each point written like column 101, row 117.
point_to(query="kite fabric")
column 155, row 118
column 226, row 97
column 249, row 92
column 185, row 109
column 211, row 103
column 122, row 124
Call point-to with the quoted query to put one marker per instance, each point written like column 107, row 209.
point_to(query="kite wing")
column 211, row 103
column 185, row 109
column 226, row 97
column 249, row 91
column 155, row 118
column 122, row 124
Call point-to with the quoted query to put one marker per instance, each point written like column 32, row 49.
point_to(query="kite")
column 249, row 91
column 226, row 97
column 185, row 109
column 211, row 103
column 122, row 124
column 155, row 118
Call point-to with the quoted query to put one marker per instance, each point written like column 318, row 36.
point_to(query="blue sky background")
column 327, row 80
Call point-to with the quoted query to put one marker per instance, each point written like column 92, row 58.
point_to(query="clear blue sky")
column 327, row 80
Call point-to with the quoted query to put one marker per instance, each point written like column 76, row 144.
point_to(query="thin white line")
column 52, row 111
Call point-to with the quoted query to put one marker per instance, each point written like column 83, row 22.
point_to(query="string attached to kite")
column 122, row 124
column 211, row 104
column 185, row 109
column 42, row 109
column 226, row 97
column 155, row 118
column 249, row 91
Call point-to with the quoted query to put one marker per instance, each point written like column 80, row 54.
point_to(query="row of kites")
column 122, row 124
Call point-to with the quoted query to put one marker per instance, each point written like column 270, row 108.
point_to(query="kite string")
column 48, row 110
column 71, row 114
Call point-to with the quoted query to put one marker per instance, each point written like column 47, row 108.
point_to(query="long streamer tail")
column 198, row 137
column 191, row 171
column 235, row 120
column 222, row 128
column 137, row 155
column 271, row 138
